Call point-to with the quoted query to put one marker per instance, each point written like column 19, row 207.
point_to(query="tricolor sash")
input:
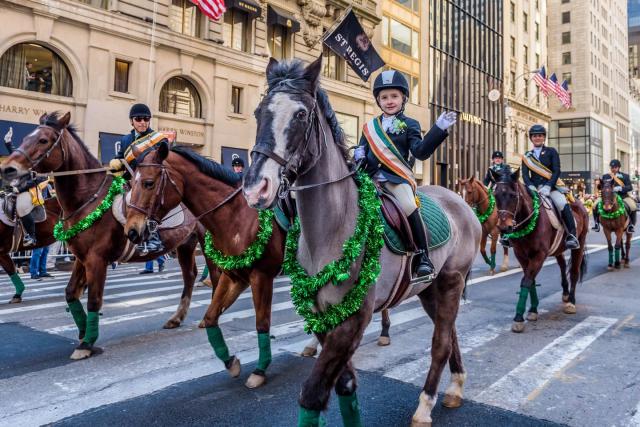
column 617, row 180
column 143, row 144
column 386, row 152
column 538, row 168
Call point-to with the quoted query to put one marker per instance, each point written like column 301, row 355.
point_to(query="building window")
column 537, row 4
column 279, row 42
column 566, row 58
column 525, row 22
column 236, row 30
column 102, row 4
column 236, row 99
column 513, row 47
column 537, row 61
column 334, row 66
column 414, row 87
column 566, row 37
column 414, row 5
column 526, row 89
column 525, row 56
column 121, row 76
column 350, row 127
column 513, row 83
column 565, row 1
column 178, row 96
column 29, row 66
column 185, row 18
column 566, row 17
column 401, row 38
column 513, row 12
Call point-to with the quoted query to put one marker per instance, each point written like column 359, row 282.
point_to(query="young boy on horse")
column 386, row 143
column 541, row 173
column 497, row 165
column 145, row 139
column 622, row 186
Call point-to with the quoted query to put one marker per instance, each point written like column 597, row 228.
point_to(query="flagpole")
column 152, row 55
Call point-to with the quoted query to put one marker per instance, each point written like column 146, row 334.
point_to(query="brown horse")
column 299, row 141
column 526, row 223
column 478, row 197
column 614, row 219
column 44, row 236
column 55, row 146
column 165, row 178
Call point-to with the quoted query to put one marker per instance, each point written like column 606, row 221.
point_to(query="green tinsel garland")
column 117, row 187
column 367, row 235
column 532, row 222
column 251, row 254
column 612, row 215
column 492, row 204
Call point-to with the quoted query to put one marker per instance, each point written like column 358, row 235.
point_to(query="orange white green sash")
column 538, row 168
column 386, row 152
column 617, row 180
column 142, row 144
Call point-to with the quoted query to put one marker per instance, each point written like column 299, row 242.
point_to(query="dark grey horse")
column 298, row 130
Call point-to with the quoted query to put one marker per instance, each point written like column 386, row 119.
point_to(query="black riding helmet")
column 537, row 130
column 391, row 79
column 139, row 110
column 615, row 163
column 497, row 154
column 237, row 162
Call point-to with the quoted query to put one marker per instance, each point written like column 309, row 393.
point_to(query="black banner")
column 349, row 40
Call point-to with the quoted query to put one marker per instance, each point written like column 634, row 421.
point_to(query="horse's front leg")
column 627, row 249
column 607, row 233
column 262, row 292
column 10, row 268
column 187, row 260
column 483, row 249
column 95, row 273
column 531, row 269
column 618, row 248
column 384, row 338
column 73, row 292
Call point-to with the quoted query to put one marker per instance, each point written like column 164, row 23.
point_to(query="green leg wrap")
column 205, row 273
column 79, row 316
column 492, row 264
column 610, row 256
column 618, row 255
column 350, row 410
column 264, row 344
column 217, row 342
column 522, row 301
column 534, row 298
column 309, row 418
column 486, row 259
column 17, row 283
column 91, row 336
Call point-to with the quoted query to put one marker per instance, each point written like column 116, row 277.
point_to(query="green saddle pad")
column 438, row 227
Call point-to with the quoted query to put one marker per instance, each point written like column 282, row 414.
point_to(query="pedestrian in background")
column 38, row 263
column 148, row 266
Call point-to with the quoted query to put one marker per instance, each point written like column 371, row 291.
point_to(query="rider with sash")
column 541, row 173
column 145, row 139
column 622, row 186
column 497, row 165
column 386, row 143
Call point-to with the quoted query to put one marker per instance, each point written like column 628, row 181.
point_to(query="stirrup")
column 631, row 228
column 596, row 227
column 505, row 242
column 571, row 242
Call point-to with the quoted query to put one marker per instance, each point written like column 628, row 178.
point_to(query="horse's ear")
column 516, row 175
column 42, row 118
column 64, row 120
column 273, row 62
column 312, row 72
column 472, row 179
column 163, row 151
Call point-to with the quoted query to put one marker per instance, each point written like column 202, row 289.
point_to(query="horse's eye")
column 301, row 115
column 148, row 184
column 43, row 141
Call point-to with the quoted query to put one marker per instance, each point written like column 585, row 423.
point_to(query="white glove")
column 617, row 189
column 358, row 153
column 8, row 135
column 545, row 190
column 533, row 188
column 446, row 120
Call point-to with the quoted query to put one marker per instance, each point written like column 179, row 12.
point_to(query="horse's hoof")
column 171, row 324
column 384, row 341
column 565, row 298
column 492, row 272
column 234, row 369
column 617, row 266
column 532, row 317
column 17, row 299
column 309, row 352
column 569, row 308
column 452, row 401
column 504, row 268
column 207, row 283
column 626, row 265
column 415, row 423
column 517, row 327
column 201, row 324
column 79, row 354
column 609, row 268
column 255, row 381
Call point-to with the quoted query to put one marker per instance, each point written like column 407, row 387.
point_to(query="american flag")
column 566, row 95
column 212, row 8
column 541, row 80
column 561, row 90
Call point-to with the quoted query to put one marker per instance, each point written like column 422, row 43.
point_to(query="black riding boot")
column 29, row 230
column 571, row 241
column 153, row 243
column 596, row 219
column 632, row 221
column 425, row 267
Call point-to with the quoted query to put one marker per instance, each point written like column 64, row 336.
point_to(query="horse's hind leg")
column 384, row 338
column 627, row 249
column 187, row 259
column 95, row 273
column 444, row 347
column 562, row 264
column 577, row 257
column 73, row 292
column 505, row 259
column 10, row 268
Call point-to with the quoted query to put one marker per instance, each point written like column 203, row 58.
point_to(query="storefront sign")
column 187, row 133
column 471, row 118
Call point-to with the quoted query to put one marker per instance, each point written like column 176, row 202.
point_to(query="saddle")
column 9, row 217
column 556, row 223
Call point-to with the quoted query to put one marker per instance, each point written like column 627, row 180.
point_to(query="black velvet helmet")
column 615, row 163
column 537, row 130
column 237, row 162
column 497, row 154
column 390, row 79
column 139, row 110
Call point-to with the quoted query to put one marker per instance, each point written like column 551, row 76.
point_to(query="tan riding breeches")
column 24, row 204
column 630, row 203
column 404, row 194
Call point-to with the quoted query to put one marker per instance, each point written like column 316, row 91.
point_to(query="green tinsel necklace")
column 250, row 255
column 117, row 187
column 612, row 215
column 532, row 222
column 482, row 217
column 368, row 236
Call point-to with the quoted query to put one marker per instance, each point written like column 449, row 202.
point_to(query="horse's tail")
column 583, row 267
column 464, row 290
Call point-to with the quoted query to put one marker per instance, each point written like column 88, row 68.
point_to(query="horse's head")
column 43, row 150
column 508, row 198
column 608, row 195
column 154, row 191
column 468, row 191
column 286, row 117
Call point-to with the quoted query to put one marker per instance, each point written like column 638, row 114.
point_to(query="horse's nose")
column 133, row 235
column 9, row 173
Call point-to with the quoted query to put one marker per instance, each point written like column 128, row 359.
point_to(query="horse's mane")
column 53, row 120
column 208, row 166
column 292, row 72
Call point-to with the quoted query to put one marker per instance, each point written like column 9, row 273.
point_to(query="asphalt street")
column 578, row 370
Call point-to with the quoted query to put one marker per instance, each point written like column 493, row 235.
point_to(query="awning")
column 277, row 16
column 251, row 7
